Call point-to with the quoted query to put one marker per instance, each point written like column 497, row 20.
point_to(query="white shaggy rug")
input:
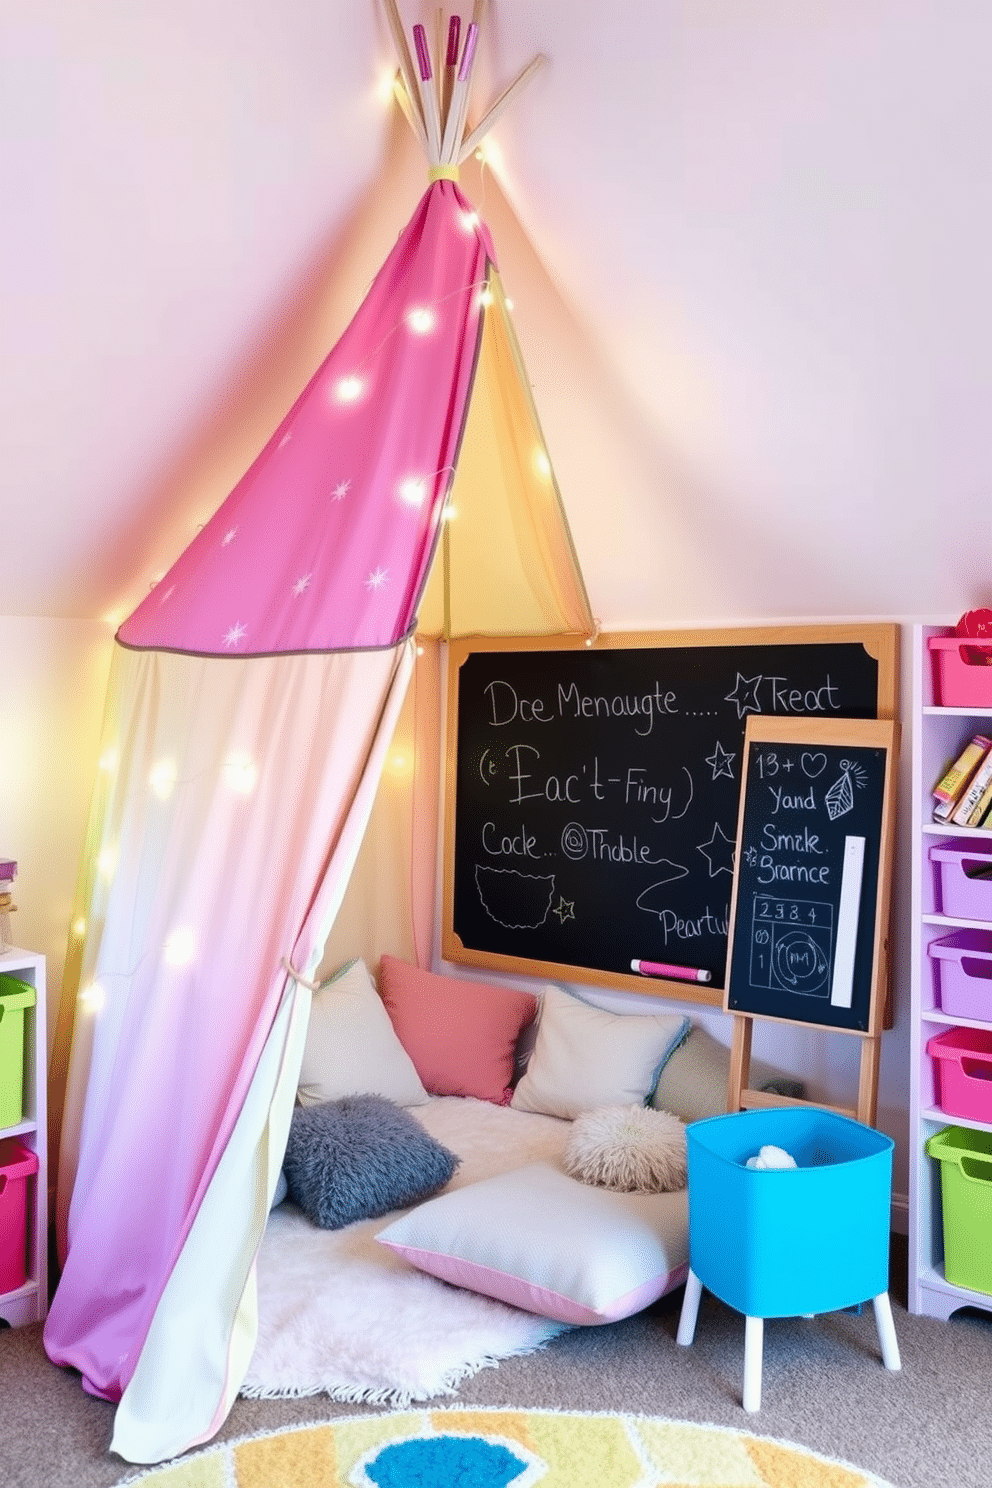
column 341, row 1315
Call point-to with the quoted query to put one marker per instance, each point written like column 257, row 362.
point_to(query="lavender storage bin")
column 961, row 964
column 960, row 884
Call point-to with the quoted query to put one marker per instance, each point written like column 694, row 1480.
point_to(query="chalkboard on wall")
column 809, row 921
column 592, row 792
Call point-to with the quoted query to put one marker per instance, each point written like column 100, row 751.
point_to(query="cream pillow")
column 585, row 1057
column 693, row 1083
column 351, row 1047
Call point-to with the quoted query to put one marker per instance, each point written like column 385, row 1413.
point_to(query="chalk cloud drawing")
column 517, row 901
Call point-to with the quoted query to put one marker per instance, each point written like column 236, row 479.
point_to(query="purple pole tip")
column 454, row 33
column 423, row 55
column 469, row 52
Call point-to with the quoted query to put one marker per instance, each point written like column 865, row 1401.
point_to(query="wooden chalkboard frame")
column 878, row 735
column 880, row 641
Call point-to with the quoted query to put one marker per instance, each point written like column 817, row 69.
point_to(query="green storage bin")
column 965, row 1158
column 15, row 996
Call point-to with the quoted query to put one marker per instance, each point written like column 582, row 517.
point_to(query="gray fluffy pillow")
column 360, row 1157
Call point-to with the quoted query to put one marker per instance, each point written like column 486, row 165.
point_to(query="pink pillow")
column 460, row 1035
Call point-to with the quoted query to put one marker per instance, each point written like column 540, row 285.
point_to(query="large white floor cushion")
column 547, row 1243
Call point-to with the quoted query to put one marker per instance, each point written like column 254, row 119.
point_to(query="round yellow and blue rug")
column 487, row 1448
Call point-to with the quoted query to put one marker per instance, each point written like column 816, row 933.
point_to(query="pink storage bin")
column 962, row 672
column 962, row 1065
column 962, row 973
column 17, row 1164
column 960, row 890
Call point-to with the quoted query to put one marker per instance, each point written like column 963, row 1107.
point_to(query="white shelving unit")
column 29, row 1303
column 938, row 736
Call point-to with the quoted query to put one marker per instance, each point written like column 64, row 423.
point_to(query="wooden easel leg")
column 868, row 1079
column 740, row 1061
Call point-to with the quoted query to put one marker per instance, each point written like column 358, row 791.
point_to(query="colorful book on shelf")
column 8, row 871
column 955, row 780
column 972, row 803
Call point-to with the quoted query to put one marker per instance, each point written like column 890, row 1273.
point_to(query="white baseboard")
column 900, row 1213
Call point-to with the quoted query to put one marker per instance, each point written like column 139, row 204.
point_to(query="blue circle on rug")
column 444, row 1462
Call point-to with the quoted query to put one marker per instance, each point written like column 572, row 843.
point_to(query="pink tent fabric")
column 237, row 749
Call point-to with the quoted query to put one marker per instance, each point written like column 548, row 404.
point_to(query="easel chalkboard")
column 809, row 918
column 592, row 791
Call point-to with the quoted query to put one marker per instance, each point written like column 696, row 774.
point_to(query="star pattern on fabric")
column 236, row 634
column 720, row 762
column 377, row 578
column 302, row 584
column 229, row 537
column 718, row 849
column 341, row 490
column 745, row 695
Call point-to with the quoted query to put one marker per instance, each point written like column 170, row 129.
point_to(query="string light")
column 79, row 927
column 449, row 514
column 163, row 779
column 485, row 297
column 470, row 221
column 349, row 389
column 241, row 773
column 180, row 947
column 542, row 464
column 422, row 320
column 93, row 997
column 412, row 490
column 108, row 760
column 107, row 861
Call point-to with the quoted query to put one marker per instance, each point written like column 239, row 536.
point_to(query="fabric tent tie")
column 287, row 965
column 442, row 173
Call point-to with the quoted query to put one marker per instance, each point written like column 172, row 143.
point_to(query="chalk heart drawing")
column 518, row 901
column 812, row 764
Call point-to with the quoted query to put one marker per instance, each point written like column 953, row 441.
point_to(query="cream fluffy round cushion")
column 634, row 1149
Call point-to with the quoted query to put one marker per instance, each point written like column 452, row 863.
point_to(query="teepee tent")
column 252, row 699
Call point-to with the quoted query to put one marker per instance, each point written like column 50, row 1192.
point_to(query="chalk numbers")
column 771, row 764
column 792, row 943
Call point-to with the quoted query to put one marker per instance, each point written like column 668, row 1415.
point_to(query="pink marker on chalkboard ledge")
column 664, row 969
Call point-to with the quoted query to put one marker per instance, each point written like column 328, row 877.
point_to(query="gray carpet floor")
column 824, row 1386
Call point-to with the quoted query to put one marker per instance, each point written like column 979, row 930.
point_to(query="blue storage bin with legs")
column 786, row 1242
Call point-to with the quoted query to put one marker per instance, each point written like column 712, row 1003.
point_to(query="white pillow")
column 633, row 1149
column 540, row 1240
column 351, row 1046
column 585, row 1057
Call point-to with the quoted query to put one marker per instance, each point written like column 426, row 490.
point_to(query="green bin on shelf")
column 15, row 997
column 965, row 1158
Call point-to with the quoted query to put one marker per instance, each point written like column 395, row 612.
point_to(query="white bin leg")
column 690, row 1309
column 886, row 1331
column 754, row 1335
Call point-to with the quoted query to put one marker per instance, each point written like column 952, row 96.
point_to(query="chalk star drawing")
column 564, row 909
column 377, row 578
column 341, row 490
column 229, row 537
column 236, row 634
column 718, row 845
column 302, row 584
column 720, row 762
column 745, row 695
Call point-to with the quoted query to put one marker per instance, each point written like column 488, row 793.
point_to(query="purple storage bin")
column 962, row 972
column 960, row 888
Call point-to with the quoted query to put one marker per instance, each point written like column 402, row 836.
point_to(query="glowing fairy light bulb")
column 349, row 389
column 180, row 947
column 107, row 862
column 485, row 297
column 413, row 490
column 542, row 464
column 469, row 221
column 163, row 779
column 79, row 928
column 92, row 998
column 421, row 320
column 241, row 773
column 449, row 514
column 108, row 761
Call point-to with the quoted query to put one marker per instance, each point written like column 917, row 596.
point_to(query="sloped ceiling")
column 748, row 243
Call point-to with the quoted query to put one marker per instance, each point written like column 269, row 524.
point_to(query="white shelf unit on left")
column 29, row 1303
